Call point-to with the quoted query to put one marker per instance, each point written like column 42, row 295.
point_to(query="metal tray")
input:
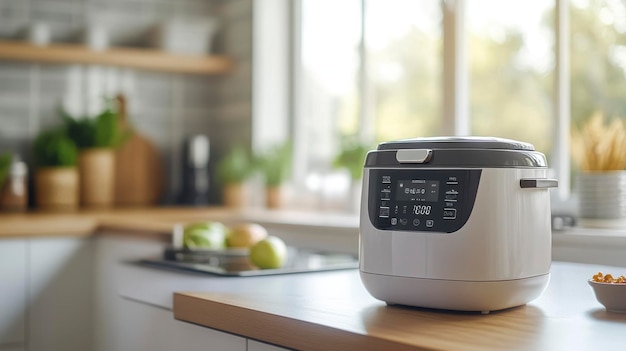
column 236, row 263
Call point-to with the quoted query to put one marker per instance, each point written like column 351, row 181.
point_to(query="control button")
column 416, row 222
column 430, row 223
column 385, row 194
column 450, row 204
column 403, row 221
column 386, row 179
column 452, row 197
column 449, row 213
column 394, row 221
column 395, row 210
column 452, row 192
column 404, row 209
column 384, row 212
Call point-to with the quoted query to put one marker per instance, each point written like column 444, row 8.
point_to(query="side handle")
column 538, row 183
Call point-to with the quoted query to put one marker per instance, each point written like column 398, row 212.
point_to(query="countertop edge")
column 198, row 308
column 159, row 220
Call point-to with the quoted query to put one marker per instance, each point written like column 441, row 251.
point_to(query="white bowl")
column 611, row 295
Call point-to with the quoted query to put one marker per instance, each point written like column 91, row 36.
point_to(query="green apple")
column 210, row 235
column 270, row 252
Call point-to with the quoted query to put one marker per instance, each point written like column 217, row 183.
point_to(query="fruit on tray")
column 206, row 235
column 269, row 253
column 246, row 235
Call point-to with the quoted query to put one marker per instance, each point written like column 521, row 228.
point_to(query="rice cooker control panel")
column 421, row 200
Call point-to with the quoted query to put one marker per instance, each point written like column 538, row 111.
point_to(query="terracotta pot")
column 57, row 188
column 234, row 195
column 274, row 197
column 97, row 177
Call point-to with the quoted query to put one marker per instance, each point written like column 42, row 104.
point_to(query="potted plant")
column 96, row 139
column 56, row 176
column 351, row 157
column 599, row 149
column 5, row 163
column 275, row 165
column 232, row 171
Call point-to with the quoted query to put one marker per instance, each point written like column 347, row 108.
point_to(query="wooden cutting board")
column 138, row 167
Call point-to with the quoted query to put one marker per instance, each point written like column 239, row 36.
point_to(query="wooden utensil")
column 138, row 167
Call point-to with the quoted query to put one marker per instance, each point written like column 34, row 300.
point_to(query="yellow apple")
column 246, row 235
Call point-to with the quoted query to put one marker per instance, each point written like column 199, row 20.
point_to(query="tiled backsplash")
column 164, row 107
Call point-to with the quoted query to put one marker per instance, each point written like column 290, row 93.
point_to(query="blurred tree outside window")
column 374, row 68
column 598, row 59
column 511, row 65
column 403, row 40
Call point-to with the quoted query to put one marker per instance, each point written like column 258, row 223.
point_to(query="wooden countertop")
column 155, row 220
column 85, row 223
column 323, row 311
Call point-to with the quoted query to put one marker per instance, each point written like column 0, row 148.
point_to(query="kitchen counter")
column 156, row 220
column 332, row 310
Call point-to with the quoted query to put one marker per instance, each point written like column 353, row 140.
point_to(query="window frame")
column 456, row 118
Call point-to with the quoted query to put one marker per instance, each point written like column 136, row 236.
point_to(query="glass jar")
column 14, row 193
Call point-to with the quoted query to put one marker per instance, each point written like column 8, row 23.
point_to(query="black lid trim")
column 488, row 143
column 463, row 158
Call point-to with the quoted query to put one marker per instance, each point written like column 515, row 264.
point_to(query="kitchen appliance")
column 458, row 223
column 195, row 177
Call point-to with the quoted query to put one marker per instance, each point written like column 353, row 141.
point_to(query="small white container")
column 39, row 34
column 96, row 37
column 186, row 36
column 602, row 195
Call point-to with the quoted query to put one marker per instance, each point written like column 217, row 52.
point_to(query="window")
column 598, row 58
column 511, row 64
column 381, row 69
column 404, row 65
column 327, row 96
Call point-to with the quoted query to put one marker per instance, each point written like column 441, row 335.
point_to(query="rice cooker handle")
column 540, row 183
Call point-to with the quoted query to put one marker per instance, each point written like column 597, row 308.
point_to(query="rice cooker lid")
column 484, row 152
column 457, row 143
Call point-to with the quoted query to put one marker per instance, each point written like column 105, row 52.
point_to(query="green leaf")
column 275, row 164
column 5, row 163
column 235, row 167
column 351, row 156
column 101, row 131
column 53, row 148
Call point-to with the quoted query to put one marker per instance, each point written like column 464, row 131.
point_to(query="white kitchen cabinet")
column 13, row 289
column 46, row 290
column 60, row 300
column 150, row 328
column 254, row 345
column 12, row 348
column 110, row 326
column 123, row 324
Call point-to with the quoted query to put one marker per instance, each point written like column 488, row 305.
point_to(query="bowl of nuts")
column 610, row 291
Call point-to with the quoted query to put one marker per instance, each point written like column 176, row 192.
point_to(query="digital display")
column 419, row 190
column 422, row 210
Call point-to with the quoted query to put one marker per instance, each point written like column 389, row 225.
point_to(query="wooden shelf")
column 140, row 58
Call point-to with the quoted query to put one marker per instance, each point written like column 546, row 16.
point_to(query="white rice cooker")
column 455, row 223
